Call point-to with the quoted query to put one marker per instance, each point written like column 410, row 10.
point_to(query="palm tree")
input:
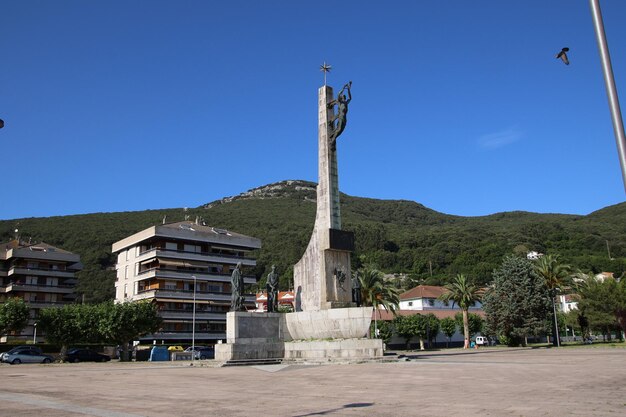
column 376, row 292
column 465, row 294
column 555, row 275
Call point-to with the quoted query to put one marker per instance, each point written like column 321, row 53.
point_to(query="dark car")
column 205, row 353
column 20, row 350
column 85, row 355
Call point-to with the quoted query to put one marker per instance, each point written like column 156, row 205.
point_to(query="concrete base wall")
column 311, row 335
column 349, row 349
column 337, row 323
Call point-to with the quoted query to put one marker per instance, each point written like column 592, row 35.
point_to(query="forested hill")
column 397, row 236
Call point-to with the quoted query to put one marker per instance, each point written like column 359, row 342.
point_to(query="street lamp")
column 35, row 333
column 193, row 322
column 609, row 81
column 556, row 323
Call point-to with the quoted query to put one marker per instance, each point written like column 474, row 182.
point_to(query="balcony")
column 160, row 272
column 186, row 295
column 188, row 315
column 195, row 256
column 185, row 335
column 48, row 272
column 51, row 289
column 44, row 304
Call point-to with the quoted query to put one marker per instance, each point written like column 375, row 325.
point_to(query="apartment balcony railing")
column 43, row 304
column 160, row 272
column 185, row 335
column 49, row 272
column 53, row 289
column 188, row 314
column 187, row 295
column 194, row 256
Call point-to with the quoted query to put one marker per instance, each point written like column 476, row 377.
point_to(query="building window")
column 431, row 302
column 410, row 303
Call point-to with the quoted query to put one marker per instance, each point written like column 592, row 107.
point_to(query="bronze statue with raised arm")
column 338, row 123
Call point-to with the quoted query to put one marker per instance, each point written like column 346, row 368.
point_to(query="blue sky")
column 458, row 105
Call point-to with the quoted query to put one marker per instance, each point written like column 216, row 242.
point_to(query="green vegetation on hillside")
column 395, row 236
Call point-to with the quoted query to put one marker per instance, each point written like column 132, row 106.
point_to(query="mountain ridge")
column 397, row 236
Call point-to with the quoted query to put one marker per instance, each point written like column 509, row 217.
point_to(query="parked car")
column 85, row 355
column 26, row 356
column 482, row 341
column 202, row 352
column 21, row 349
column 205, row 353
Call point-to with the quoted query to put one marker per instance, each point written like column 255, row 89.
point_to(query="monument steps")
column 252, row 362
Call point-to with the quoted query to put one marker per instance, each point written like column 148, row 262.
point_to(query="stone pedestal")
column 252, row 336
column 333, row 334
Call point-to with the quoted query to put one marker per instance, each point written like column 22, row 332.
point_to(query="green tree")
column 517, row 305
column 474, row 321
column 70, row 324
column 14, row 314
column 385, row 331
column 124, row 322
column 602, row 303
column 432, row 328
column 407, row 327
column 376, row 292
column 448, row 328
column 465, row 294
column 555, row 276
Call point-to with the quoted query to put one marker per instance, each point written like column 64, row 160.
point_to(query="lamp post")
column 193, row 322
column 556, row 323
column 35, row 333
column 609, row 81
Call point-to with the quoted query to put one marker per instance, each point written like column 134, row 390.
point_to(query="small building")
column 39, row 273
column 426, row 297
column 568, row 302
column 286, row 299
column 162, row 263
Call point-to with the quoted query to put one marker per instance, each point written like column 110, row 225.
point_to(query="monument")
column 327, row 323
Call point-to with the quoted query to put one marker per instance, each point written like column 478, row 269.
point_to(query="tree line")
column 104, row 323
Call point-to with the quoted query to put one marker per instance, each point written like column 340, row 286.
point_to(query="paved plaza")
column 497, row 382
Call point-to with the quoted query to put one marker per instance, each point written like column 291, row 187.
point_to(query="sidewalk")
column 498, row 382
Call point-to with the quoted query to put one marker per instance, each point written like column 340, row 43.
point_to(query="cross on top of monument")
column 325, row 68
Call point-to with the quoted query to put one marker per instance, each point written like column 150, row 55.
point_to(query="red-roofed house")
column 426, row 297
column 285, row 299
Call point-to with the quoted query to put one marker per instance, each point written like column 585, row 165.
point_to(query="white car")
column 482, row 341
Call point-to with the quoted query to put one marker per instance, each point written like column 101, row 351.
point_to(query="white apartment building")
column 162, row 263
column 39, row 273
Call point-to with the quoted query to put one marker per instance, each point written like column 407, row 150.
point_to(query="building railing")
column 186, row 271
column 21, row 284
column 223, row 255
column 190, row 292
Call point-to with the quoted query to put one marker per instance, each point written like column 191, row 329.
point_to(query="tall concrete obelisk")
column 322, row 277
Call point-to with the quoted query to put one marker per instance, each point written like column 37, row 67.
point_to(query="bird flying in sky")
column 563, row 55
